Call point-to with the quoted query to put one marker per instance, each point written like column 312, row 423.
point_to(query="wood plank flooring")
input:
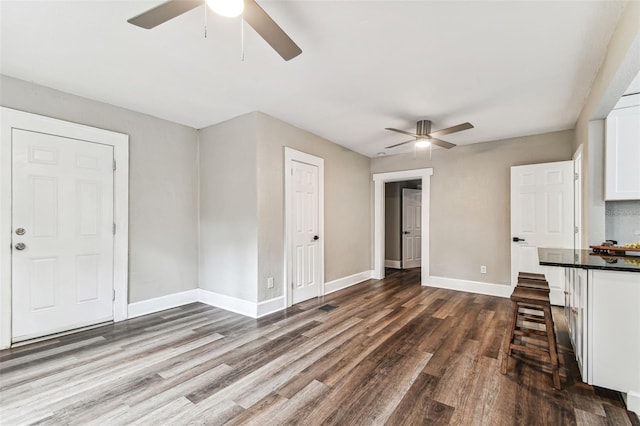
column 391, row 352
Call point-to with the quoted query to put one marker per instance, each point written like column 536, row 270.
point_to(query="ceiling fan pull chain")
column 242, row 38
column 205, row 20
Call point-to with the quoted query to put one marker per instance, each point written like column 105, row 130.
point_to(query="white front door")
column 411, row 230
column 306, row 253
column 541, row 216
column 62, row 234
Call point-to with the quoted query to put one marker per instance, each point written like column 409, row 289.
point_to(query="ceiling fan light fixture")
column 422, row 143
column 226, row 8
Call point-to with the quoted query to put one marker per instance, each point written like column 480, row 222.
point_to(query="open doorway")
column 403, row 224
column 379, row 180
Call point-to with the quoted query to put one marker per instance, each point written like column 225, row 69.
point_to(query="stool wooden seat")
column 534, row 284
column 531, row 276
column 536, row 312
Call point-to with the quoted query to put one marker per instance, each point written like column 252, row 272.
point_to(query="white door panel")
column 306, row 256
column 541, row 216
column 411, row 232
column 62, row 196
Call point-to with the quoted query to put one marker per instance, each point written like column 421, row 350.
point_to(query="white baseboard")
column 270, row 306
column 500, row 290
column 240, row 306
column 397, row 264
column 633, row 402
column 161, row 303
column 233, row 304
column 344, row 282
column 228, row 303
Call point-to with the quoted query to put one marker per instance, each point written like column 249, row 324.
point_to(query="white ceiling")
column 511, row 68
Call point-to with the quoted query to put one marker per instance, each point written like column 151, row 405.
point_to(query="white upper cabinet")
column 622, row 163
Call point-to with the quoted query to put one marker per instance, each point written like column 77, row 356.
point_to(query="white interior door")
column 541, row 216
column 306, row 253
column 62, row 234
column 411, row 230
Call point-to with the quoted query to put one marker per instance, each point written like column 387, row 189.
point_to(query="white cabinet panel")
column 616, row 330
column 576, row 314
column 579, row 309
column 622, row 174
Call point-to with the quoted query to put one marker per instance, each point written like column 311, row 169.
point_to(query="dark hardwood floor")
column 390, row 352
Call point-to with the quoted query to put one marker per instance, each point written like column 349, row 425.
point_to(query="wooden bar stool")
column 527, row 324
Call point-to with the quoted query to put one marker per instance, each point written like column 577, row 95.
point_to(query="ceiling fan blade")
column 402, row 131
column 448, row 130
column 441, row 143
column 401, row 143
column 270, row 31
column 164, row 12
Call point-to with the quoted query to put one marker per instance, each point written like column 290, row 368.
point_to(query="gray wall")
column 470, row 205
column 228, row 208
column 162, row 184
column 242, row 206
column 347, row 204
column 620, row 66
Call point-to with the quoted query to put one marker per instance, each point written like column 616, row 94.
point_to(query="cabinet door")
column 580, row 320
column 616, row 330
column 622, row 174
column 568, row 283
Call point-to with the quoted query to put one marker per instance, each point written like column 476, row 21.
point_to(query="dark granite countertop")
column 586, row 259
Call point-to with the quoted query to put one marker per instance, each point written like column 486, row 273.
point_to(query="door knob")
column 20, row 231
column 20, row 246
column 316, row 238
column 406, row 232
column 516, row 239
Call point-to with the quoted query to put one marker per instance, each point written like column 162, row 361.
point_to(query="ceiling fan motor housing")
column 423, row 127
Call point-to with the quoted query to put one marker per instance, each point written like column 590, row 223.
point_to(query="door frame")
column 291, row 155
column 379, row 179
column 577, row 198
column 10, row 119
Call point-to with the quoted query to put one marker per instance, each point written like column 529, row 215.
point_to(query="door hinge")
column 113, row 295
column 114, row 165
column 575, row 176
column 576, row 230
column 114, row 228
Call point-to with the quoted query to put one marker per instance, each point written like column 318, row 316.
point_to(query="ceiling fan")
column 424, row 136
column 251, row 12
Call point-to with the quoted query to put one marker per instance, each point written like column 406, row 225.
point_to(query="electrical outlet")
column 270, row 282
column 483, row 269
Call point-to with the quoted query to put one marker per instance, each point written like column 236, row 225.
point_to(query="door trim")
column 10, row 119
column 291, row 155
column 379, row 179
column 577, row 198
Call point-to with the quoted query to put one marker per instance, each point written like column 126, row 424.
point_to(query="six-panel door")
column 305, row 254
column 62, row 234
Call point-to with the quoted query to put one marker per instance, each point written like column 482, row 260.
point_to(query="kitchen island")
column 586, row 259
column 602, row 306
